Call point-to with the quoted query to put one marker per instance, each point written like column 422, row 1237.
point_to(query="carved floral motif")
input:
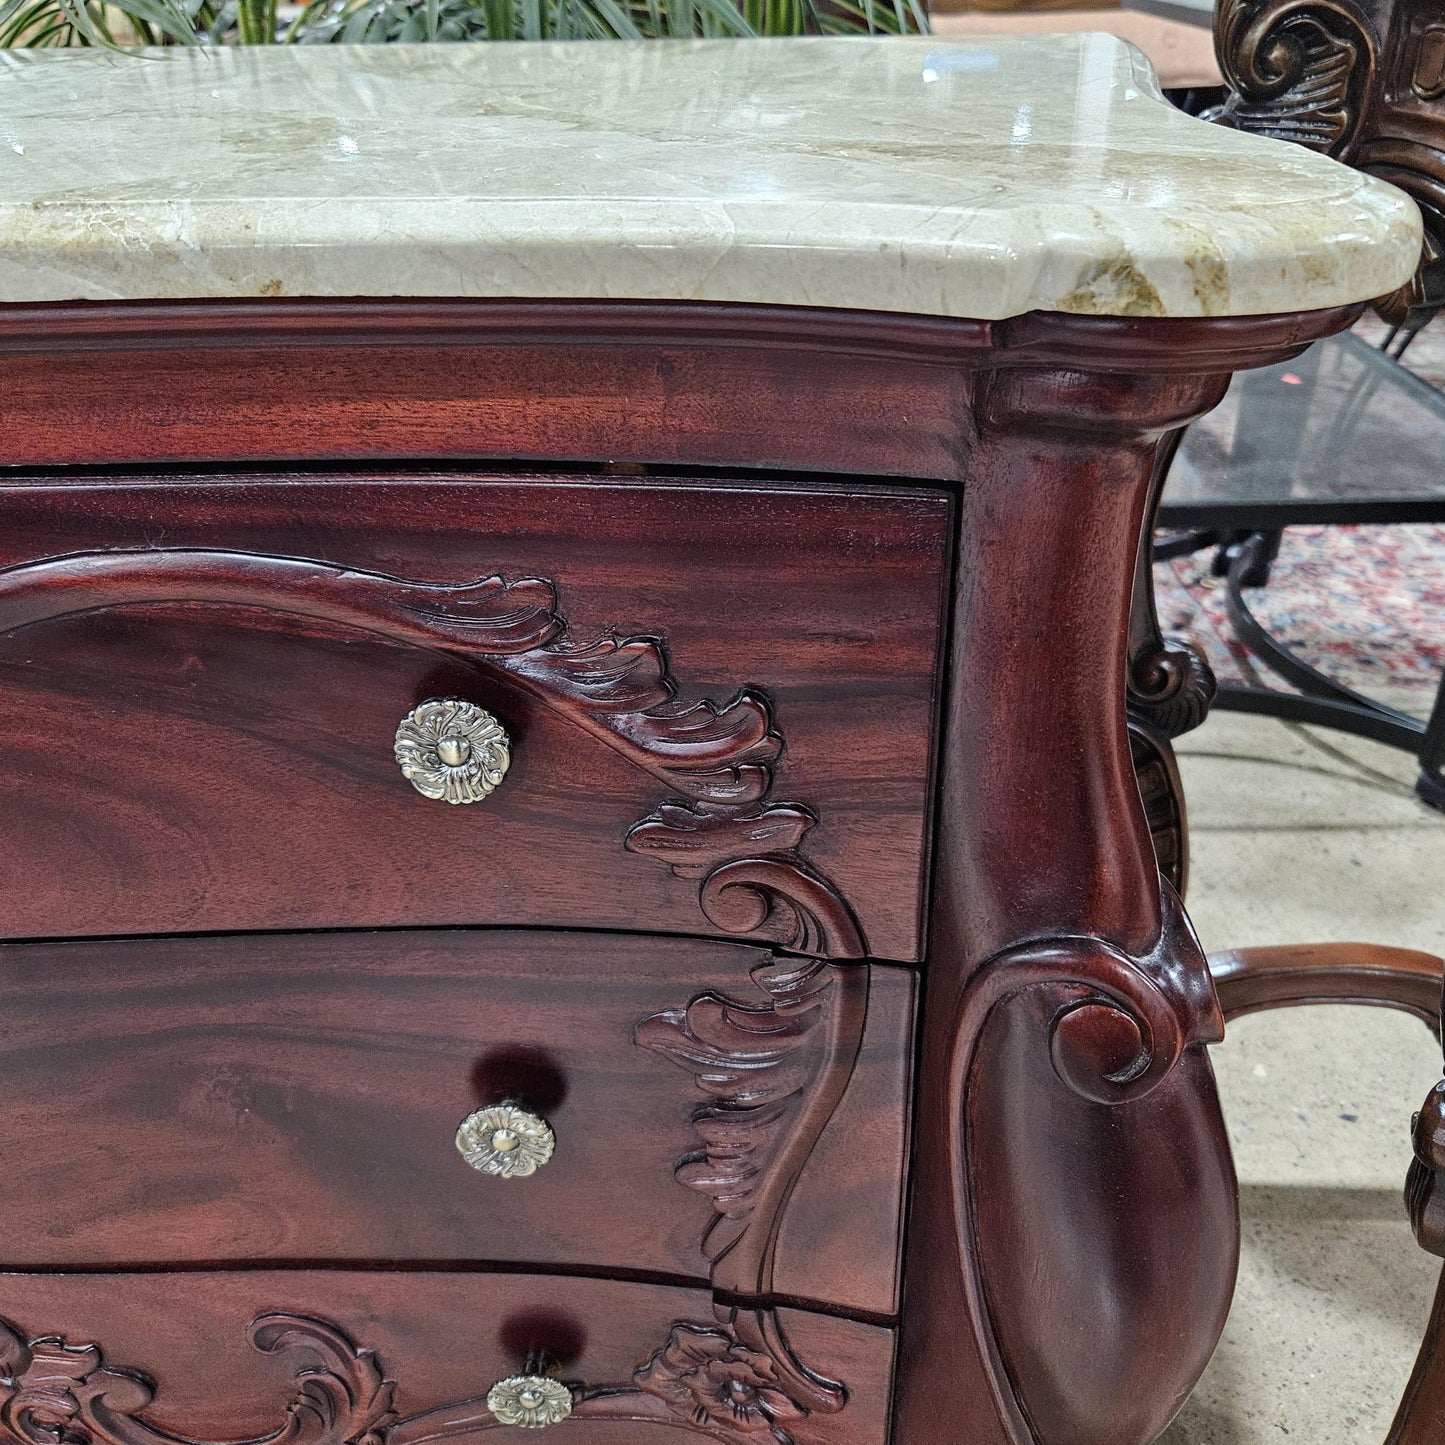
column 451, row 750
column 530, row 1402
column 54, row 1393
column 505, row 1141
column 734, row 1380
column 705, row 1375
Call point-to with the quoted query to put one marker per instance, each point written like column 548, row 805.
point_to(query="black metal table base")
column 1320, row 700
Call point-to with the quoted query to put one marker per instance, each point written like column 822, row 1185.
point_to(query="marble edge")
column 726, row 251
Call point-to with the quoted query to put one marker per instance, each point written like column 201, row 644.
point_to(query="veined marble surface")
column 983, row 178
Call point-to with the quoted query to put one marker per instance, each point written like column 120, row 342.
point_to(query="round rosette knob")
column 530, row 1401
column 452, row 750
column 505, row 1141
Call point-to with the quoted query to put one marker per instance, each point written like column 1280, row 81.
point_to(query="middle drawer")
column 297, row 1098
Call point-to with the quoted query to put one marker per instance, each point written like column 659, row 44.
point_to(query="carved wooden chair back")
column 1362, row 81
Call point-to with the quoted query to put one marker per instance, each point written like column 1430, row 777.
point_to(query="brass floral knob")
column 452, row 750
column 531, row 1401
column 506, row 1141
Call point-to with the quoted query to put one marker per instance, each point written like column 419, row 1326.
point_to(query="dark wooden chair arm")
column 1249, row 980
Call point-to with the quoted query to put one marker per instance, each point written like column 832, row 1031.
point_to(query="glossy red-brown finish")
column 294, row 1097
column 257, row 744
column 234, row 772
column 439, row 1339
column 1042, row 836
column 1249, row 980
column 857, row 392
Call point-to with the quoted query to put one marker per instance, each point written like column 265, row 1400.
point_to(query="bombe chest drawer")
column 582, row 801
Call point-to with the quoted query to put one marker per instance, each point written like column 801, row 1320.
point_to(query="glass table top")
column 1340, row 434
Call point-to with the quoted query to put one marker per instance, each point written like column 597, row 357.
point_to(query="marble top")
column 980, row 177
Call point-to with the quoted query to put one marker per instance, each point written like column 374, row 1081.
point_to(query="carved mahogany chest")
column 573, row 846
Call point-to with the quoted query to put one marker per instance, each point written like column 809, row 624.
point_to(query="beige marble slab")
column 982, row 177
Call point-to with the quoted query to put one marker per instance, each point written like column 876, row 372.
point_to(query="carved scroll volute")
column 53, row 1391
column 1053, row 1036
column 1324, row 74
column 1299, row 70
column 1425, row 1188
column 754, row 879
column 772, row 1071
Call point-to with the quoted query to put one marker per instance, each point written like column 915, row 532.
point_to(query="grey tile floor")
column 1306, row 835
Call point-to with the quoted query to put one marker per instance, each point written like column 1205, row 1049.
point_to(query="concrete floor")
column 1306, row 835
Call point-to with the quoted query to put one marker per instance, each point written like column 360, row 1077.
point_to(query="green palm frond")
column 118, row 23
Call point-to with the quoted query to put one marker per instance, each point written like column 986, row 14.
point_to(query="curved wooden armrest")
column 1248, row 980
column 1251, row 979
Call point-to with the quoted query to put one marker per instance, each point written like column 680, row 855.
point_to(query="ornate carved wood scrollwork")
column 1170, row 685
column 773, row 1073
column 1425, row 1188
column 1162, row 794
column 720, row 758
column 1360, row 80
column 52, row 1391
column 1118, row 1026
column 1299, row 70
column 733, row 1379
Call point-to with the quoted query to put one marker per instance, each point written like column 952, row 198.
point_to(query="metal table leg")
column 1431, row 784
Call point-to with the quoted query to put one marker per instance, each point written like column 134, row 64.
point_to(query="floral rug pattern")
column 1364, row 605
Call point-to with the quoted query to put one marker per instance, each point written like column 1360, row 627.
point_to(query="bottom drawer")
column 411, row 1357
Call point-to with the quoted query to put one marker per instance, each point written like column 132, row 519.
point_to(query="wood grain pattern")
column 257, row 782
column 1070, row 1159
column 291, row 1098
column 857, row 392
column 440, row 1340
column 1069, row 1152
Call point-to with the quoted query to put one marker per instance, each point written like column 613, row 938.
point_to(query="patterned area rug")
column 1364, row 605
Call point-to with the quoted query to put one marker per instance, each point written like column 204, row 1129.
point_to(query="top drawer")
column 716, row 697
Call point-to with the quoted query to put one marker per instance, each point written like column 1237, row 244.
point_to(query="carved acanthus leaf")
column 733, row 1379
column 772, row 1073
column 694, row 841
column 1299, row 70
column 57, row 1392
column 619, row 689
column 719, row 756
column 755, row 1062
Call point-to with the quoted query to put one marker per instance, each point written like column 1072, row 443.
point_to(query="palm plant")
column 117, row 23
